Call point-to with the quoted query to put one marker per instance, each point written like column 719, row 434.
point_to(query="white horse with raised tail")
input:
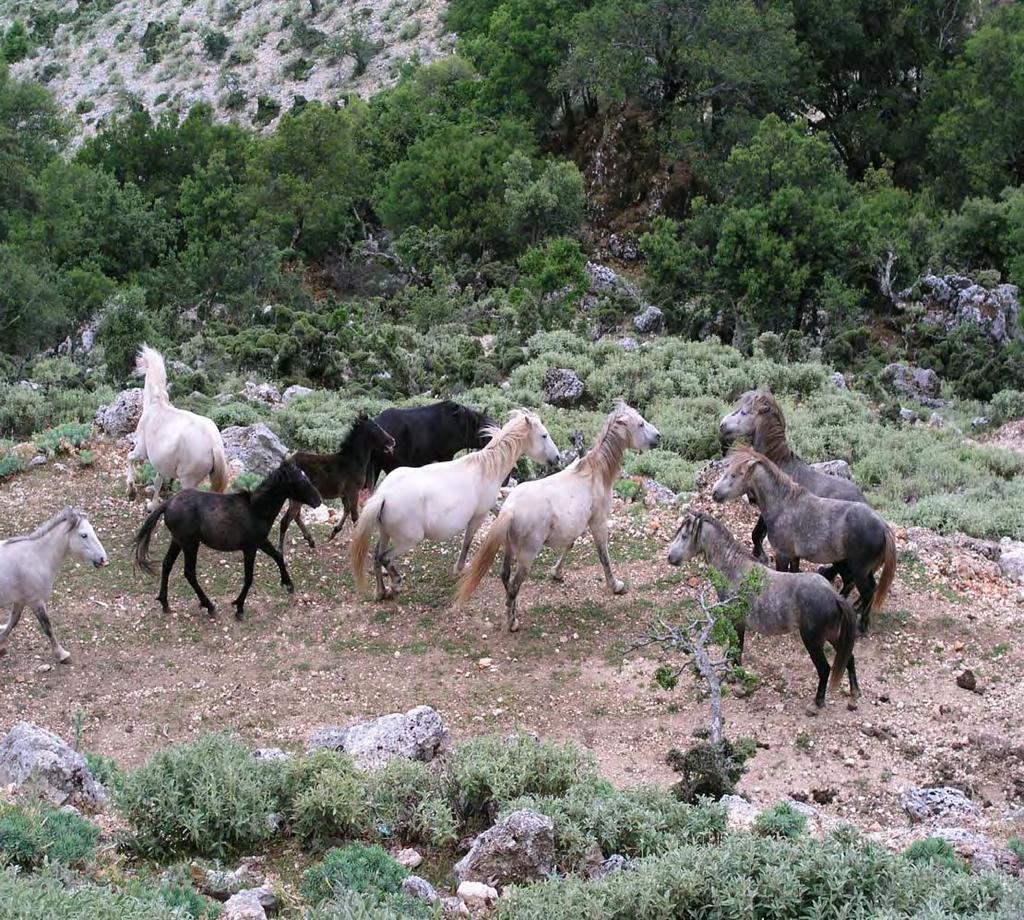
column 180, row 444
column 440, row 500
column 557, row 510
column 29, row 565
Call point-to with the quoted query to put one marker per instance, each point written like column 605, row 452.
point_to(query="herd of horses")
column 430, row 493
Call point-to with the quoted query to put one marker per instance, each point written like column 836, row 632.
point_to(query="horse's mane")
column 604, row 459
column 731, row 548
column 152, row 363
column 473, row 422
column 69, row 516
column 506, row 443
column 742, row 456
column 771, row 427
column 362, row 424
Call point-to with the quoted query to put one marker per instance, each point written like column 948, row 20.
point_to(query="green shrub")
column 708, row 770
column 31, row 836
column 63, row 439
column 408, row 803
column 327, row 798
column 215, row 44
column 10, row 464
column 488, row 772
column 351, row 905
column 210, row 798
column 246, row 482
column 104, row 769
column 356, row 867
column 1007, row 405
column 781, row 820
column 234, row 413
column 124, row 327
column 750, row 876
column 937, row 852
column 1016, row 846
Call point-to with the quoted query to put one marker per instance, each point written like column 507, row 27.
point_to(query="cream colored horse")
column 180, row 444
column 437, row 501
column 29, row 565
column 557, row 510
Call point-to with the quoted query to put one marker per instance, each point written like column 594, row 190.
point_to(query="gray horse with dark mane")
column 783, row 602
column 802, row 525
column 758, row 419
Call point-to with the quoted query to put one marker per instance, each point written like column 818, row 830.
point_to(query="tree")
column 124, row 327
column 977, row 144
column 543, row 199
column 33, row 310
column 454, row 179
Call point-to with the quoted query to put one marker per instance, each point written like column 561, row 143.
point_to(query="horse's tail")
column 220, row 474
column 888, row 571
column 844, row 644
column 143, row 537
column 481, row 564
column 369, row 518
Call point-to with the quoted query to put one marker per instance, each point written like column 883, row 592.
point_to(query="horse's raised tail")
column 888, row 571
column 470, row 579
column 844, row 644
column 369, row 518
column 220, row 474
column 143, row 537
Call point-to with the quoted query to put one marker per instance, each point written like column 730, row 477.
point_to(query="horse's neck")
column 606, row 461
column 50, row 550
column 267, row 503
column 778, row 451
column 723, row 554
column 768, row 489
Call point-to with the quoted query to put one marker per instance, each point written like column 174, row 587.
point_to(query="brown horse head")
column 686, row 543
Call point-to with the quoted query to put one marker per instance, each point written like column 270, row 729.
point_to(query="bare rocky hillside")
column 250, row 59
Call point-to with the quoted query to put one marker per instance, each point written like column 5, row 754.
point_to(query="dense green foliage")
column 30, row 837
column 359, row 868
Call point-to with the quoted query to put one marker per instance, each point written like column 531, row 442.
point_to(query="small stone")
column 484, row 663
column 409, row 858
column 966, row 680
column 419, row 888
column 476, row 895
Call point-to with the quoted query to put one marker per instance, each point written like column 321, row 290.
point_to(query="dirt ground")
column 140, row 680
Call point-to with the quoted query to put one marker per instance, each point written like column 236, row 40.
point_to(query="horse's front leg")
column 467, row 542
column 249, row 560
column 165, row 573
column 46, row 628
column 137, row 453
column 349, row 508
column 292, row 511
column 12, row 621
column 286, row 579
column 757, row 537
column 600, row 534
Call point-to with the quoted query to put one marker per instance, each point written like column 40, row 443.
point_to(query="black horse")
column 429, row 434
column 340, row 475
column 231, row 522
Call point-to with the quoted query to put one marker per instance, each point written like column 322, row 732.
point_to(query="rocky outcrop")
column 519, row 849
column 936, row 802
column 954, row 300
column 419, row 888
column 919, row 383
column 255, row 447
column 1011, row 559
column 264, row 393
column 294, row 392
column 649, row 320
column 418, row 734
column 122, row 416
column 38, row 761
column 838, row 468
column 476, row 896
column 250, row 904
column 562, row 387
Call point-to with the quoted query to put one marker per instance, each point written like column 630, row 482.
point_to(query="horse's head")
column 742, row 422
column 686, row 543
column 296, row 484
column 82, row 539
column 379, row 440
column 642, row 434
column 735, row 480
column 539, row 445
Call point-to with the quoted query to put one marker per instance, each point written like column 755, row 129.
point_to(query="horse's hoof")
column 812, row 710
column 63, row 656
column 3, row 651
column 513, row 626
column 211, row 612
column 288, row 586
column 619, row 587
column 851, row 705
column 239, row 613
column 558, row 578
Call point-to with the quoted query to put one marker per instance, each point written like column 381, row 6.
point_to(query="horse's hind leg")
column 165, row 573
column 600, row 533
column 46, row 627
column 286, row 579
column 305, row 531
column 512, row 595
column 12, row 621
column 379, row 552
column 556, row 572
column 249, row 561
column 813, row 643
column 191, row 554
column 851, row 673
column 286, row 520
column 350, row 509
column 757, row 538
column 467, row 542
column 866, row 585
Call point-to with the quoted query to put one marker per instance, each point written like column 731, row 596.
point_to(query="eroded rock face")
column 562, row 387
column 651, row 319
column 122, row 416
column 955, row 300
column 255, row 447
column 265, row 393
column 418, row 734
column 838, row 468
column 37, row 760
column 919, row 383
column 295, row 392
column 519, row 849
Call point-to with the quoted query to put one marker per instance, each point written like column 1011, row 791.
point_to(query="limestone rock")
column 256, row 447
column 34, row 759
column 122, row 416
column 418, row 734
column 518, row 849
column 476, row 895
column 936, row 801
column 562, row 387
column 649, row 320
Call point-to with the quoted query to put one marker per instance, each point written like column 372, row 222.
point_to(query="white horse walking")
column 180, row 444
column 437, row 501
column 557, row 510
column 29, row 565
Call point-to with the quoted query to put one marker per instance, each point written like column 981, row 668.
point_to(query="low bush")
column 30, row 837
column 937, row 852
column 208, row 798
column 780, row 820
column 63, row 439
column 234, row 413
column 326, row 798
column 750, row 876
column 489, row 772
column 408, row 803
column 356, row 867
